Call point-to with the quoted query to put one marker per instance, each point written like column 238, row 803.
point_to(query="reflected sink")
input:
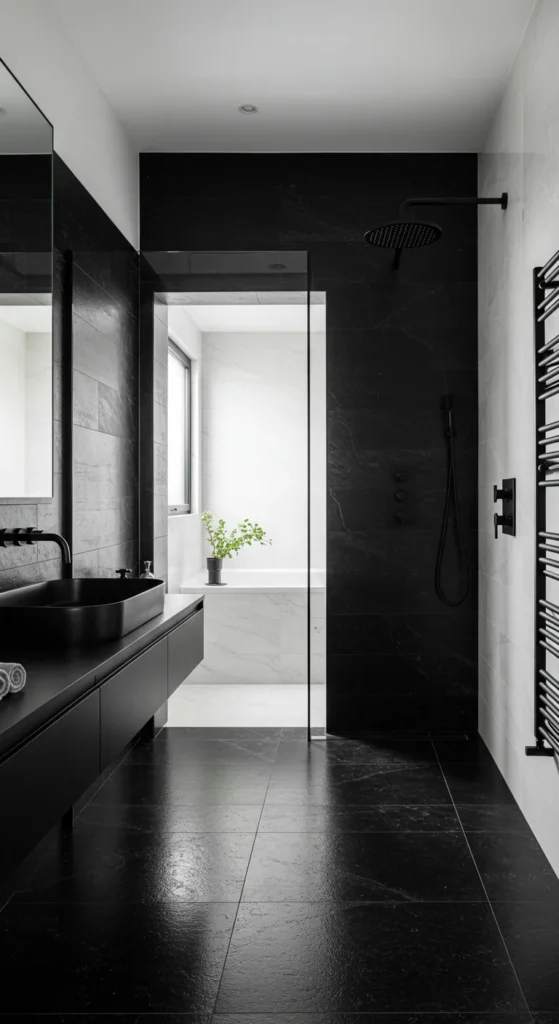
column 71, row 613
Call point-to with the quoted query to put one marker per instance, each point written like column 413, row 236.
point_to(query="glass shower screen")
column 254, row 336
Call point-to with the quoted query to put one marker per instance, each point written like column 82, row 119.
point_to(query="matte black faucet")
column 30, row 535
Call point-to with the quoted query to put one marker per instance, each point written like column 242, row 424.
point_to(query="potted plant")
column 225, row 545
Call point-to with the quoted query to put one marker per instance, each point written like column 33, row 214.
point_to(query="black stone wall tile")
column 401, row 714
column 391, row 572
column 431, row 675
column 401, row 634
column 352, row 434
column 391, row 489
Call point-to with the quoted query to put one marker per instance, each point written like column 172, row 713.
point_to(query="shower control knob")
column 505, row 521
column 401, row 495
column 504, row 493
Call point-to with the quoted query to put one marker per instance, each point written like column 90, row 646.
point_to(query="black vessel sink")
column 70, row 613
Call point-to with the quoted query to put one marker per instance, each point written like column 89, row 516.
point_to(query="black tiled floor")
column 513, row 867
column 347, row 866
column 101, row 865
column 359, row 818
column 531, row 933
column 240, row 874
column 113, row 958
column 345, row 784
column 367, row 956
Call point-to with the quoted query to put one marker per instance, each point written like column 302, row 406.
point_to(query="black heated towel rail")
column 546, row 683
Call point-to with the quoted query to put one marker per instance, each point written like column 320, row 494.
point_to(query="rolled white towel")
column 4, row 683
column 16, row 673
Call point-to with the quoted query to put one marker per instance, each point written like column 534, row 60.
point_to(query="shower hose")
column 452, row 496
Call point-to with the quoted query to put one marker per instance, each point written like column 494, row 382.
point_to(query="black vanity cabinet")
column 185, row 650
column 41, row 780
column 130, row 698
column 58, row 749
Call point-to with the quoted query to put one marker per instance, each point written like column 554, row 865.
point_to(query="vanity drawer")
column 41, row 781
column 186, row 649
column 130, row 698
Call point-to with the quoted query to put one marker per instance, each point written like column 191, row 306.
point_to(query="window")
column 179, row 432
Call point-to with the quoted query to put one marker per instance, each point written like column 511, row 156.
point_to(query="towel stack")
column 12, row 678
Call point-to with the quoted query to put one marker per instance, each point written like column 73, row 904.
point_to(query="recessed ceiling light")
column 248, row 108
column 277, row 266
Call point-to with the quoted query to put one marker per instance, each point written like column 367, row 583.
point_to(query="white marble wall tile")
column 521, row 156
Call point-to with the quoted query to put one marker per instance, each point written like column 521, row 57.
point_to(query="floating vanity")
column 80, row 708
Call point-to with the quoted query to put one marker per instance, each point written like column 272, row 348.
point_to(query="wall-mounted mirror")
column 26, row 358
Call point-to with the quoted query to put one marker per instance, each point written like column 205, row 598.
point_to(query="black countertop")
column 57, row 678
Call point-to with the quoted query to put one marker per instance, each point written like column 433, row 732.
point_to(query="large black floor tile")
column 358, row 784
column 476, row 782
column 148, row 818
column 357, row 751
column 492, row 818
column 465, row 748
column 115, row 1018
column 360, row 818
column 384, row 866
column 228, row 732
column 531, row 933
column 513, row 867
column 178, row 749
column 97, row 864
column 287, row 1018
column 112, row 958
column 207, row 784
column 381, row 1018
column 309, row 957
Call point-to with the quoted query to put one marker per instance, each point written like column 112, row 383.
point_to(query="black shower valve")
column 505, row 521
column 502, row 493
column 507, row 494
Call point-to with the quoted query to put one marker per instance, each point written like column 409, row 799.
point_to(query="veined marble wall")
column 521, row 156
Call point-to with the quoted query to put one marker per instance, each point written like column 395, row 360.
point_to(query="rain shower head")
column 404, row 235
column 410, row 234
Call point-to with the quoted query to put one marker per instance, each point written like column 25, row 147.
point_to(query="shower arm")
column 501, row 201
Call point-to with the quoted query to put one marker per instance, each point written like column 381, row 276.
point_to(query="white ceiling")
column 327, row 75
column 241, row 318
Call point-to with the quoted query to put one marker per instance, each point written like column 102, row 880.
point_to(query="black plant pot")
column 215, row 566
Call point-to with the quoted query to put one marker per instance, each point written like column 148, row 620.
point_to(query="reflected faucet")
column 30, row 535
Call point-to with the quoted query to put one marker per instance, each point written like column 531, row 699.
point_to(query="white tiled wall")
column 521, row 156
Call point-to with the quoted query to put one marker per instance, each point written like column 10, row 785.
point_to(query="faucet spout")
column 30, row 535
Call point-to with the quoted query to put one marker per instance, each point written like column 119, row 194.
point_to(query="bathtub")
column 256, row 629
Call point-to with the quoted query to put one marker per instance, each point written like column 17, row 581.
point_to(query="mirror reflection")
column 26, row 361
